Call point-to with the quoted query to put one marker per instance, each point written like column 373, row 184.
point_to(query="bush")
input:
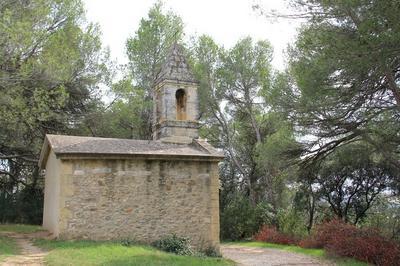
column 174, row 244
column 23, row 207
column 324, row 234
column 240, row 219
column 289, row 223
column 339, row 238
column 309, row 242
column 211, row 252
column 127, row 242
column 271, row 235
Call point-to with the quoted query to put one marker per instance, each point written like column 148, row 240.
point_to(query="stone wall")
column 140, row 199
column 51, row 194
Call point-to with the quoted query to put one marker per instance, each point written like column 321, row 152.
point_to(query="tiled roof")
column 64, row 146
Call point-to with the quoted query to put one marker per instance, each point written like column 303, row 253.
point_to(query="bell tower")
column 175, row 99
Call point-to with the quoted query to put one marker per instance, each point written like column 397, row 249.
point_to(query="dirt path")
column 249, row 256
column 30, row 254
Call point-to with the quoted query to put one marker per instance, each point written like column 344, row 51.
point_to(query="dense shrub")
column 271, row 235
column 211, row 252
column 288, row 223
column 324, row 233
column 240, row 219
column 174, row 244
column 24, row 206
column 127, row 242
column 347, row 240
column 310, row 242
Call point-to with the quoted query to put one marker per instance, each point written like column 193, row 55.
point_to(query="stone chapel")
column 108, row 189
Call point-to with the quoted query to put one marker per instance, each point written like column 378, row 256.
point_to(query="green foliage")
column 342, row 92
column 108, row 253
column 146, row 51
column 385, row 215
column 148, row 48
column 206, row 61
column 234, row 89
column 175, row 244
column 240, row 78
column 291, row 222
column 335, row 109
column 24, row 206
column 124, row 117
column 212, row 252
column 51, row 62
column 346, row 70
column 127, row 242
column 351, row 178
column 240, row 219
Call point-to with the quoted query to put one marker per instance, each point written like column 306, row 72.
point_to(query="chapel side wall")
column 51, row 194
column 215, row 225
column 139, row 199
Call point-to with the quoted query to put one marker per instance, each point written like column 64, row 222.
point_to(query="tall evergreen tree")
column 146, row 51
column 50, row 64
column 345, row 68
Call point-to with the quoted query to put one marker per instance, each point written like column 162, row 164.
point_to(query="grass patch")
column 306, row 251
column 20, row 228
column 8, row 247
column 314, row 252
column 113, row 253
column 347, row 261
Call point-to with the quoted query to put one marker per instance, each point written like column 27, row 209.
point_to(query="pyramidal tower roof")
column 175, row 66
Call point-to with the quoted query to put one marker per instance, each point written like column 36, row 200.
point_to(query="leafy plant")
column 211, row 252
column 127, row 242
column 272, row 235
column 174, row 244
column 366, row 244
column 240, row 219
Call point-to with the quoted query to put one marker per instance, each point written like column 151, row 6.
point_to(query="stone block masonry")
column 140, row 199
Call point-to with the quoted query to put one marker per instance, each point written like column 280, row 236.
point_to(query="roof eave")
column 146, row 156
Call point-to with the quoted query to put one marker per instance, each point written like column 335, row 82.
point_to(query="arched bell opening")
column 181, row 98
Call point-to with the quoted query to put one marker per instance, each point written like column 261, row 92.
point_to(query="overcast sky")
column 225, row 20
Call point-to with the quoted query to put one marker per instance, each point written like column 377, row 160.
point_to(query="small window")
column 180, row 104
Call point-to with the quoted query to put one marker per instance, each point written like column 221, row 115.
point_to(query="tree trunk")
column 393, row 86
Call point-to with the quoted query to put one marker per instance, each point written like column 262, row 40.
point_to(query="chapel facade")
column 108, row 189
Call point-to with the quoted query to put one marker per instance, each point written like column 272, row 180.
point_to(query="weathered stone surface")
column 175, row 66
column 176, row 103
column 166, row 119
column 141, row 200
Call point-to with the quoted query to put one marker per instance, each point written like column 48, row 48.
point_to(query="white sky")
column 225, row 20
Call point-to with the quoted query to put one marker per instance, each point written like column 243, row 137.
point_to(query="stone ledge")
column 179, row 123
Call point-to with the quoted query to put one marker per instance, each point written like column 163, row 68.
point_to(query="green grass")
column 314, row 252
column 109, row 253
column 8, row 247
column 307, row 251
column 347, row 262
column 20, row 228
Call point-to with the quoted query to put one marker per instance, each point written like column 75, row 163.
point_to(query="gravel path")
column 249, row 256
column 30, row 254
column 244, row 256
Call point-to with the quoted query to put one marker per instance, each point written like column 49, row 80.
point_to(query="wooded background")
column 316, row 141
